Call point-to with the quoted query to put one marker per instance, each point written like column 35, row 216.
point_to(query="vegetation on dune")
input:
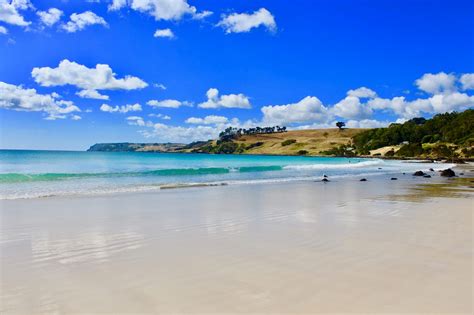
column 446, row 135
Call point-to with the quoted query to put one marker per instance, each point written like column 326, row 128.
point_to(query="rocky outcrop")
column 447, row 173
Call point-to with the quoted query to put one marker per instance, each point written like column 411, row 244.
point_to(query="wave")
column 334, row 166
column 20, row 178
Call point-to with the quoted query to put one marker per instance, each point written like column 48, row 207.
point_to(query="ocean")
column 35, row 174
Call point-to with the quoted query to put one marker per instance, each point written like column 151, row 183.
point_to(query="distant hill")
column 293, row 142
column 136, row 147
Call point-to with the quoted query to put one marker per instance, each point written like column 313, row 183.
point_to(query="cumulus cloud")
column 161, row 9
column 136, row 121
column 244, row 22
column 365, row 123
column 351, row 107
column 50, row 17
column 362, row 92
column 79, row 21
column 168, row 103
column 88, row 79
column 165, row 133
column 166, row 33
column 9, row 12
column 225, row 101
column 439, row 103
column 121, row 109
column 436, row 83
column 17, row 98
column 3, row 30
column 208, row 120
column 93, row 94
column 309, row 109
column 467, row 81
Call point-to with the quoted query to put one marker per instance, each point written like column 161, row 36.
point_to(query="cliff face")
column 136, row 147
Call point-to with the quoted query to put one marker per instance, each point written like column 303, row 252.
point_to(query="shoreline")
column 335, row 179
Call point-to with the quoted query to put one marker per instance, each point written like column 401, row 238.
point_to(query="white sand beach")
column 379, row 246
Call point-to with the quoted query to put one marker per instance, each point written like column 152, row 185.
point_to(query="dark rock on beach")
column 325, row 180
column 447, row 173
column 363, row 180
column 431, row 170
column 393, row 178
column 427, row 176
column 419, row 173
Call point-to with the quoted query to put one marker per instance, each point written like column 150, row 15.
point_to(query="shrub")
column 254, row 145
column 288, row 142
column 410, row 150
column 302, row 152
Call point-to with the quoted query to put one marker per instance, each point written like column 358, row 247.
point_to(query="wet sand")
column 343, row 247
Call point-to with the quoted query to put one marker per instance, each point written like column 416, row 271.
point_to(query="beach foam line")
column 191, row 185
column 334, row 166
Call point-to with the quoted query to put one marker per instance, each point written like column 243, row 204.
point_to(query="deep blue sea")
column 32, row 174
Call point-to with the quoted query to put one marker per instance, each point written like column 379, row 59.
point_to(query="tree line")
column 233, row 133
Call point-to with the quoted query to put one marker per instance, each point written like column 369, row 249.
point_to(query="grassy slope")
column 313, row 141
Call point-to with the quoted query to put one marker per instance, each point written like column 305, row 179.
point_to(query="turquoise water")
column 29, row 174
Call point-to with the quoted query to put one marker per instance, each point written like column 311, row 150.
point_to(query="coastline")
column 344, row 246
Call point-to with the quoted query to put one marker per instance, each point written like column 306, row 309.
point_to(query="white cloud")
column 309, row 109
column 88, row 79
column 208, row 120
column 79, row 21
column 160, row 86
column 167, row 133
column 164, row 117
column 117, row 5
column 439, row 103
column 202, row 15
column 225, row 101
column 351, row 107
column 467, row 81
column 244, row 22
column 50, row 17
column 166, row 33
column 136, row 121
column 3, row 30
column 160, row 9
column 93, row 94
column 76, row 117
column 9, row 12
column 17, row 98
column 22, row 4
column 362, row 92
column 121, row 109
column 168, row 103
column 365, row 123
column 436, row 83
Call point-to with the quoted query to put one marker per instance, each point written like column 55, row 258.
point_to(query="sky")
column 75, row 73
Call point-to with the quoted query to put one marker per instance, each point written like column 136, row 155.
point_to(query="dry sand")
column 347, row 247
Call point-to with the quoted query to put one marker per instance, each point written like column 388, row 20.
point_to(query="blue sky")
column 302, row 64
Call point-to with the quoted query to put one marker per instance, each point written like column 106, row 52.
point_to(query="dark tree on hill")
column 340, row 124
